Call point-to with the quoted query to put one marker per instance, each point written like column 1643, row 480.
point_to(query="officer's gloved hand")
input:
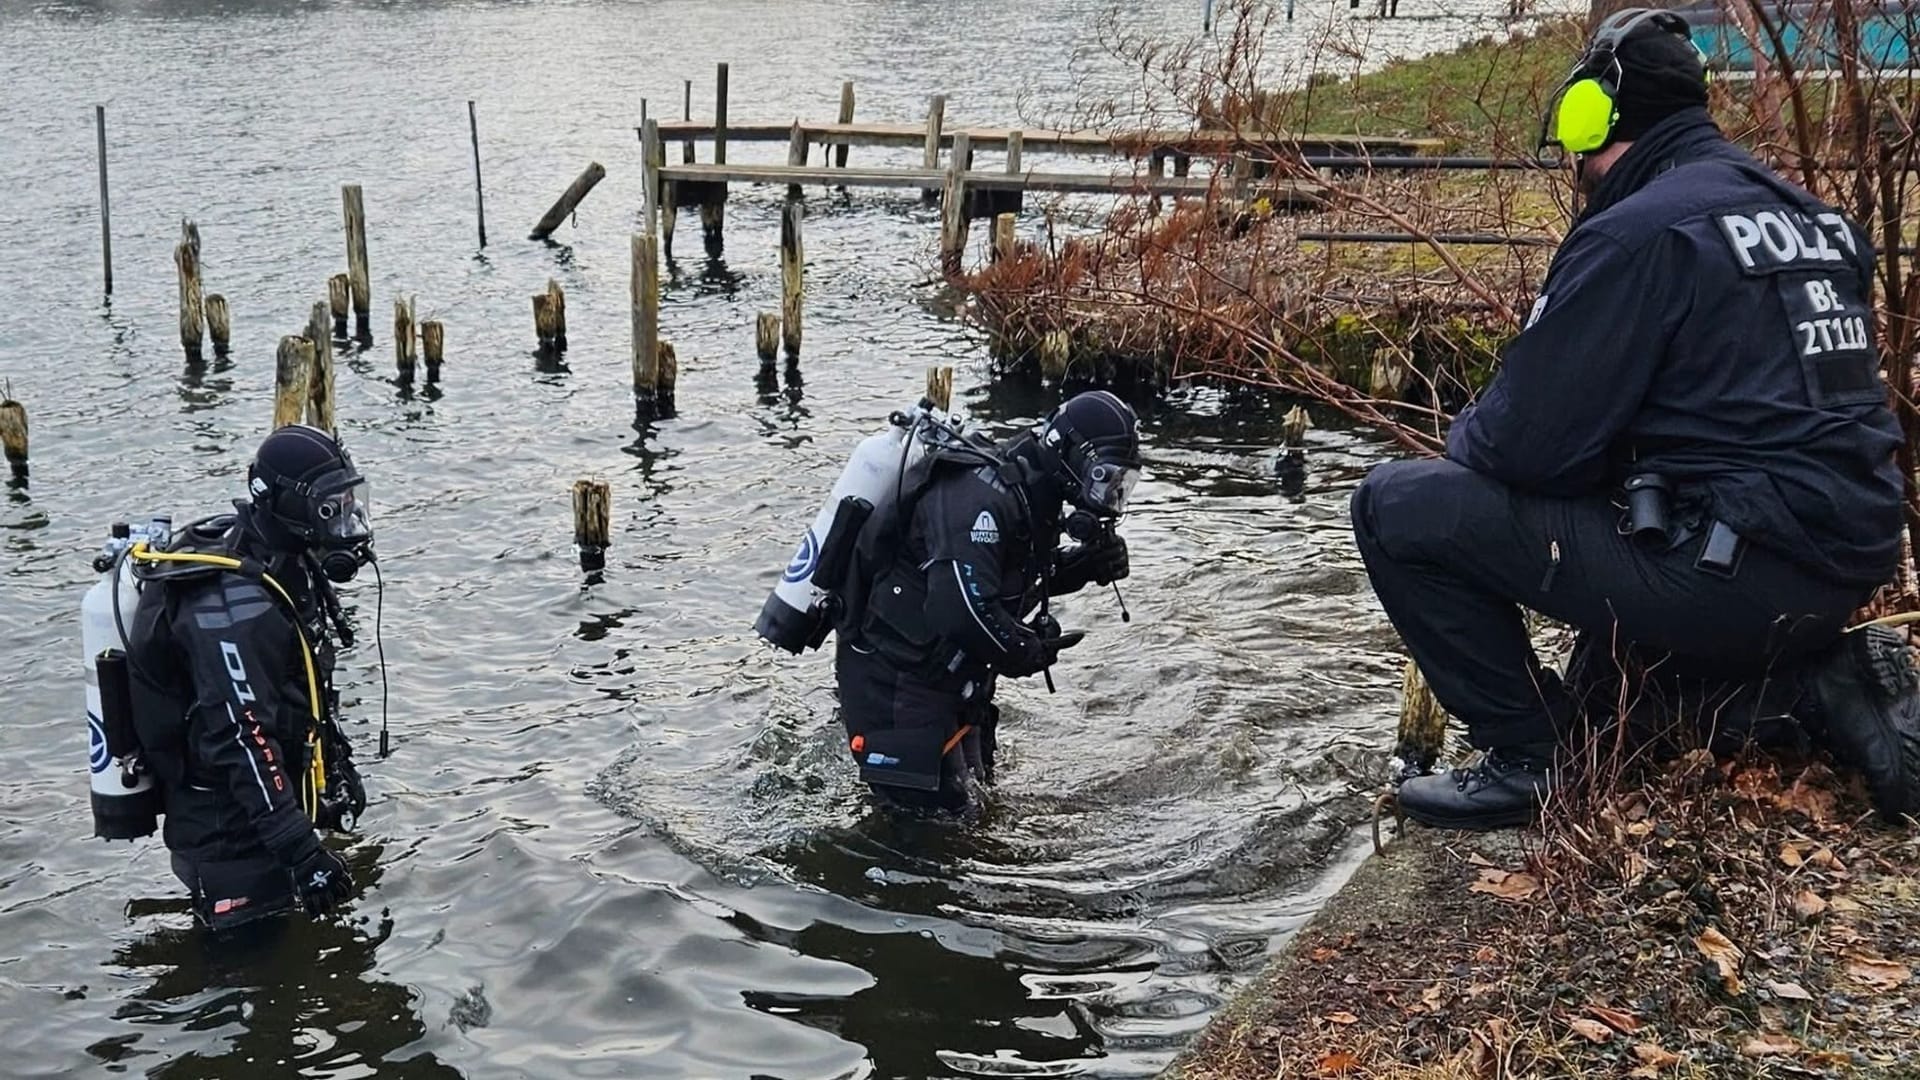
column 320, row 878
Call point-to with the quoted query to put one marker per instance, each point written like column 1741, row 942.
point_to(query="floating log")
column 106, row 229
column 569, row 199
column 936, row 120
column 479, row 195
column 646, row 317
column 592, row 522
column 292, row 380
column 669, row 375
column 792, row 278
column 766, row 337
column 337, row 301
column 557, row 309
column 354, row 211
column 846, row 117
column 953, row 211
column 1003, row 237
column 940, row 387
column 320, row 399
column 13, row 435
column 796, row 154
column 403, row 354
column 433, row 345
column 720, row 114
column 219, row 324
column 186, row 259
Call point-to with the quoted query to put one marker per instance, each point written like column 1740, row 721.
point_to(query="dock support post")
column 720, row 115
column 652, row 157
column 953, row 212
column 792, row 278
column 646, row 319
column 846, row 117
column 186, row 258
column 766, row 338
column 353, row 209
column 796, row 154
column 433, row 345
column 320, row 400
column 568, row 201
column 936, row 120
column 291, row 381
column 1016, row 143
column 592, row 519
column 686, row 113
column 219, row 324
column 557, row 311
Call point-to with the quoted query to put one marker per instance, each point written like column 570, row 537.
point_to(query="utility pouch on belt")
column 901, row 757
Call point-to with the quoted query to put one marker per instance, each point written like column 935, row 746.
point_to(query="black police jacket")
column 975, row 550
column 222, row 712
column 1712, row 324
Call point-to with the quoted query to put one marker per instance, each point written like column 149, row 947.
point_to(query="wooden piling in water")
column 846, row 117
column 766, row 338
column 433, row 346
column 337, row 302
column 592, row 522
column 953, row 209
column 13, row 435
column 796, row 154
column 106, row 228
column 557, row 309
column 320, row 399
column 544, row 331
column 940, row 387
column 569, row 199
column 353, row 209
column 186, row 259
column 479, row 195
column 219, row 324
column 652, row 157
column 1056, row 349
column 292, row 378
column 403, row 354
column 646, row 317
column 686, row 113
column 668, row 377
column 792, row 278
column 720, row 114
column 1003, row 237
column 936, row 119
column 1016, row 143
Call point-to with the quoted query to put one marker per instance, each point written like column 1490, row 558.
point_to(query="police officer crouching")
column 231, row 668
column 1687, row 449
column 955, row 596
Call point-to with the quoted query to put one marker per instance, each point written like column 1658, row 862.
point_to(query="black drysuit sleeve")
column 968, row 524
column 1573, row 380
column 250, row 705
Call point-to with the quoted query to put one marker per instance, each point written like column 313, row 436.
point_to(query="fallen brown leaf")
column 1814, row 801
column 1338, row 1063
column 1877, row 973
column 1791, row 855
column 1787, row 991
column 1769, row 1045
column 1725, row 955
column 1322, row 954
column 1591, row 1030
column 1485, row 954
column 1342, row 1018
column 1825, row 858
column 1846, row 905
column 1506, row 885
column 1808, row 905
column 1434, row 997
column 1478, row 859
column 1756, row 781
column 1654, row 1055
column 1623, row 1022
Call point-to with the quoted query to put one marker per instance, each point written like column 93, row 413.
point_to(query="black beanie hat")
column 1660, row 74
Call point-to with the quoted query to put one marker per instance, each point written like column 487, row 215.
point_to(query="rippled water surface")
column 617, row 837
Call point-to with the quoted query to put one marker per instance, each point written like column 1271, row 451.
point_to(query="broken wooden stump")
column 403, row 345
column 1003, row 237
column 940, row 387
column 337, row 303
column 433, row 346
column 669, row 376
column 592, row 522
column 353, row 210
column 792, row 278
column 13, row 436
column 646, row 318
column 766, row 338
column 292, row 381
column 219, row 324
column 320, row 381
column 186, row 259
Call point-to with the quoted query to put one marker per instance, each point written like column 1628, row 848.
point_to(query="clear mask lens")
column 1109, row 486
column 346, row 516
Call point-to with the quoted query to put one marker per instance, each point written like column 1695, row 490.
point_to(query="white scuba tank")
column 125, row 800
column 792, row 616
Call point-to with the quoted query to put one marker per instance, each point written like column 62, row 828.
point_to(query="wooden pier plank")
column 1092, row 142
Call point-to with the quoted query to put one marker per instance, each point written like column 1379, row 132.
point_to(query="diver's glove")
column 1053, row 639
column 320, row 878
column 1102, row 560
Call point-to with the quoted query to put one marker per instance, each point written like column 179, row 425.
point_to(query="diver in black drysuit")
column 221, row 698
column 948, row 595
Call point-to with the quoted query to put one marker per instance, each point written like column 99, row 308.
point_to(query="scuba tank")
column 803, row 605
column 126, row 803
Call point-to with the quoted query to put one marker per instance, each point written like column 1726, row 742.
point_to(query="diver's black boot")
column 1863, row 703
column 1502, row 790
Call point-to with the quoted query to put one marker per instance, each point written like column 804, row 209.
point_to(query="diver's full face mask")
column 341, row 508
column 1106, row 486
column 1581, row 114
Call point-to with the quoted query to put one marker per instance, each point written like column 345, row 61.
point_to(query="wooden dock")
column 1095, row 143
column 1081, row 183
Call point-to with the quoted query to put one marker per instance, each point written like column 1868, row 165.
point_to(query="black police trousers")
column 940, row 737
column 1454, row 554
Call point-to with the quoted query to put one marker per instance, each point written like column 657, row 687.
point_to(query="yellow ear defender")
column 1581, row 117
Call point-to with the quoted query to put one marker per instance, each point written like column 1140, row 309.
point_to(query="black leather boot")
column 1502, row 790
column 1863, row 703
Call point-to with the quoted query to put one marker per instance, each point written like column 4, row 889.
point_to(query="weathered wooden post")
column 557, row 309
column 219, row 324
column 660, row 207
column 1003, row 237
column 403, row 354
column 353, row 208
column 940, row 387
column 479, row 195
column 646, row 318
column 106, row 229
column 1016, row 142
column 320, row 383
column 720, row 115
column 433, row 343
column 1056, row 350
column 669, row 375
column 713, row 212
column 936, row 119
column 592, row 520
column 686, row 113
column 796, row 154
column 543, row 326
column 953, row 210
column 569, row 199
column 792, row 274
column 766, row 338
column 13, row 435
column 846, row 117
column 292, row 381
column 337, row 301
column 186, row 258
